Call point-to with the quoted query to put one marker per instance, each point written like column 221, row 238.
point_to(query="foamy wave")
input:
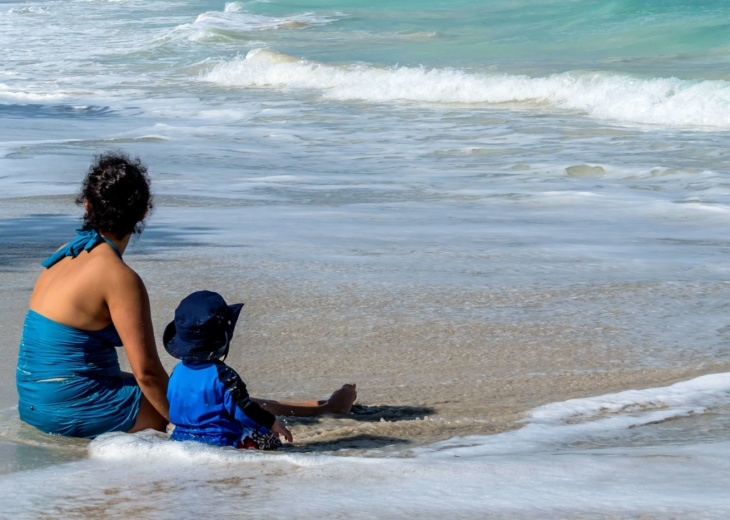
column 149, row 444
column 32, row 10
column 661, row 101
column 578, row 420
column 687, row 480
column 235, row 24
column 235, row 21
column 696, row 395
column 233, row 7
column 11, row 93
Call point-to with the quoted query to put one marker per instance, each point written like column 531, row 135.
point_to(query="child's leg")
column 339, row 402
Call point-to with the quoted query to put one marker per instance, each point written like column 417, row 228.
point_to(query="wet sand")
column 431, row 361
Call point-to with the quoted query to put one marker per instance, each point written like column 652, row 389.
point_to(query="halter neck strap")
column 86, row 240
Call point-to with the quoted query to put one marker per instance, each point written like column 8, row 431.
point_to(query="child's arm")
column 242, row 407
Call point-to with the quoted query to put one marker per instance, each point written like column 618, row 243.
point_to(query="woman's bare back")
column 74, row 291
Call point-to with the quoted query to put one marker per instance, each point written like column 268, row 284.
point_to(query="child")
column 208, row 400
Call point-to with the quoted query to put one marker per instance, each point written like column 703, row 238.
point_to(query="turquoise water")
column 646, row 63
column 537, row 37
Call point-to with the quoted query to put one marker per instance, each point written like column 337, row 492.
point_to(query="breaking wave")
column 599, row 95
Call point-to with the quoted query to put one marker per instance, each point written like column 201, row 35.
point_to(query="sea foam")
column 234, row 23
column 607, row 96
column 553, row 425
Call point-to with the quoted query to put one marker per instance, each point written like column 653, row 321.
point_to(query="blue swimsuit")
column 209, row 403
column 69, row 381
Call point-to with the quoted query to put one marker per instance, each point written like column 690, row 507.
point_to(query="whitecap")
column 622, row 98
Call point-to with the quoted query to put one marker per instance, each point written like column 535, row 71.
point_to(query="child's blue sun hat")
column 202, row 328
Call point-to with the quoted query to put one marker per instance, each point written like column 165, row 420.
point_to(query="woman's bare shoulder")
column 112, row 270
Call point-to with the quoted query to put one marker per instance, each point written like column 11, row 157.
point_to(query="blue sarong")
column 69, row 381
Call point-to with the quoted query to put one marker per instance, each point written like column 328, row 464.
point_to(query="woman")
column 86, row 302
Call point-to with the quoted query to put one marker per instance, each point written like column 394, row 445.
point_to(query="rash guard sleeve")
column 238, row 402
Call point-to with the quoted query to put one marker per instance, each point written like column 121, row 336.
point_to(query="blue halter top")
column 86, row 240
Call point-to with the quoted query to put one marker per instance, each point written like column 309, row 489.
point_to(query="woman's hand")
column 280, row 429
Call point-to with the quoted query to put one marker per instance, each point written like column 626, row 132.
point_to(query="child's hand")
column 280, row 429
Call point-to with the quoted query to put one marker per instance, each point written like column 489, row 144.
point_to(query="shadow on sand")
column 377, row 413
column 363, row 413
column 29, row 240
column 388, row 413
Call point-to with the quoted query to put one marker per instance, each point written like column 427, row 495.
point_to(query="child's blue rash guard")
column 209, row 403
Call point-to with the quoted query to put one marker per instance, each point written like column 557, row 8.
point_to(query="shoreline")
column 431, row 361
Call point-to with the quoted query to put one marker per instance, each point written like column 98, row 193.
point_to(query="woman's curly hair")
column 117, row 190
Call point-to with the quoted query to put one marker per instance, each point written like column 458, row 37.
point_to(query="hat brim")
column 233, row 318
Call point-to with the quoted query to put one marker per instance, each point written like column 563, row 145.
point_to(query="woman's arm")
column 129, row 307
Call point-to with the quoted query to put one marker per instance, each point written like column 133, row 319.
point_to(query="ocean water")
column 505, row 220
